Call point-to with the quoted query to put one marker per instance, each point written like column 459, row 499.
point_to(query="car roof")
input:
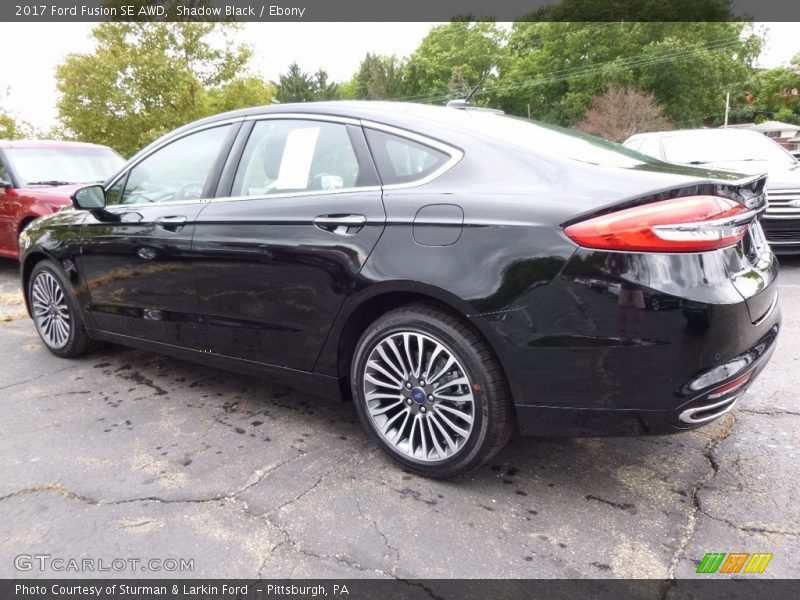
column 42, row 144
column 364, row 109
column 424, row 119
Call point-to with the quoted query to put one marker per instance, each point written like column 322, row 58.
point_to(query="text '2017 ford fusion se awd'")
column 457, row 272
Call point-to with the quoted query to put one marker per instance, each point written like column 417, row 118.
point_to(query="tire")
column 439, row 428
column 55, row 311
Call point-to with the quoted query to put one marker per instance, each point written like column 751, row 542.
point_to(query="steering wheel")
column 190, row 191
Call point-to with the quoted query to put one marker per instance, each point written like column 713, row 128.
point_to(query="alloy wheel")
column 50, row 310
column 419, row 396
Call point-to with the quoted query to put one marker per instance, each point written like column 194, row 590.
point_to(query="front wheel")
column 55, row 311
column 430, row 391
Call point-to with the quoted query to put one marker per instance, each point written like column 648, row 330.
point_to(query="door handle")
column 171, row 223
column 340, row 223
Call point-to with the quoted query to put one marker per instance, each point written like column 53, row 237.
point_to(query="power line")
column 581, row 71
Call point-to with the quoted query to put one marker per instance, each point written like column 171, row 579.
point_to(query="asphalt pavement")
column 179, row 470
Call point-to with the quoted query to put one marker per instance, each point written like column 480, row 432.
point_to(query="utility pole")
column 727, row 108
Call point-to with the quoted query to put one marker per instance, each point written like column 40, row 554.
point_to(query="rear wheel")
column 55, row 311
column 430, row 391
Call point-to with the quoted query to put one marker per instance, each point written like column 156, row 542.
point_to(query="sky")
column 35, row 49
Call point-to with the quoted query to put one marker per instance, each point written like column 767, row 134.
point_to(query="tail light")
column 729, row 387
column 690, row 224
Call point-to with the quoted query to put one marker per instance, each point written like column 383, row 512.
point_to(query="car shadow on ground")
column 236, row 401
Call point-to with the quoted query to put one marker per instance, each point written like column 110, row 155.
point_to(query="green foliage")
column 298, row 86
column 13, row 128
column 452, row 59
column 557, row 68
column 9, row 129
column 776, row 94
column 145, row 79
column 378, row 78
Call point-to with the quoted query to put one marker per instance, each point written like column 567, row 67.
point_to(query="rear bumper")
column 546, row 421
column 605, row 352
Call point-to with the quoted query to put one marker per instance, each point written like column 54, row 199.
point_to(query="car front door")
column 298, row 213
column 9, row 205
column 136, row 253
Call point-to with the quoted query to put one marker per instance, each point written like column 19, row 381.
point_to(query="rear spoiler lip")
column 749, row 191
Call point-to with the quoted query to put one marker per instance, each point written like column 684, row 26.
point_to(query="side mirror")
column 5, row 184
column 91, row 197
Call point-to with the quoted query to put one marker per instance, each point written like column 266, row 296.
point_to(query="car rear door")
column 298, row 211
column 136, row 254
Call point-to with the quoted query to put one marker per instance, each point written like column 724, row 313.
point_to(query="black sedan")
column 456, row 272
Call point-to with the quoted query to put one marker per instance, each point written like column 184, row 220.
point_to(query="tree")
column 145, row 79
column 776, row 94
column 298, row 86
column 324, row 89
column 379, row 77
column 557, row 68
column 9, row 130
column 452, row 58
column 11, row 127
column 619, row 112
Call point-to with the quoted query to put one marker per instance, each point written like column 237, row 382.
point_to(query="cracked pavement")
column 130, row 454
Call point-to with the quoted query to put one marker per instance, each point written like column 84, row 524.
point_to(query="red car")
column 37, row 178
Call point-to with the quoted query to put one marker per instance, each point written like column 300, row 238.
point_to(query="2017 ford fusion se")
column 457, row 272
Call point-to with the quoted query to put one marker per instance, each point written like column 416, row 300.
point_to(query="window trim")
column 345, row 121
column 454, row 153
column 218, row 165
column 226, row 197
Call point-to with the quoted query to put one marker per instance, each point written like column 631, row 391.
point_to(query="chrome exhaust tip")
column 707, row 412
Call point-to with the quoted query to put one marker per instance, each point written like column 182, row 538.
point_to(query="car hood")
column 779, row 176
column 57, row 194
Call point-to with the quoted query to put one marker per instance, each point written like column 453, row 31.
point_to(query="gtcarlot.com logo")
column 734, row 562
column 46, row 562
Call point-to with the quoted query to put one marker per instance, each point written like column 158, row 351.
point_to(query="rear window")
column 401, row 160
column 556, row 141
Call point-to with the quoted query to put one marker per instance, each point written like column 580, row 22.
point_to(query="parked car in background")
column 451, row 270
column 741, row 151
column 38, row 177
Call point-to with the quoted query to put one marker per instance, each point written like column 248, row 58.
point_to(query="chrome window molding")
column 351, row 190
column 302, row 117
column 163, row 143
column 112, row 208
column 454, row 153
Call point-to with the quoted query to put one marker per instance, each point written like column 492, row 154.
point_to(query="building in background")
column 786, row 134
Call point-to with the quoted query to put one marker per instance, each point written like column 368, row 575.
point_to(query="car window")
column 4, row 174
column 63, row 164
column 651, row 145
column 401, row 160
column 292, row 155
column 633, row 143
column 724, row 146
column 178, row 171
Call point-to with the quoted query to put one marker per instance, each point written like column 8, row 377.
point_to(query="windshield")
column 720, row 146
column 59, row 166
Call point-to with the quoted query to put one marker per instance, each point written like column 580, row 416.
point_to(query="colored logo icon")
column 734, row 562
